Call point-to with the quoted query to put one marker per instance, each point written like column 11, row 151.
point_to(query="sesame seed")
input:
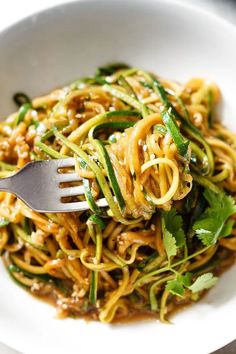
column 71, row 258
column 81, row 293
column 108, row 79
column 81, row 86
column 34, row 114
column 162, row 108
column 35, row 286
column 140, row 142
column 54, row 262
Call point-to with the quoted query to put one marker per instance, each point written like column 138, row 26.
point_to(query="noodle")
column 152, row 148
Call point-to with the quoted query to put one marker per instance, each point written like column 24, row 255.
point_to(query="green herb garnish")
column 215, row 222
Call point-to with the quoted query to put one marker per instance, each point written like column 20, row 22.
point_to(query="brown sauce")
column 51, row 295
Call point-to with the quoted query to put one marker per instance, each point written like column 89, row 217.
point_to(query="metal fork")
column 37, row 184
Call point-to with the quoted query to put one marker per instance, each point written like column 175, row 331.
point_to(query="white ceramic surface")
column 62, row 44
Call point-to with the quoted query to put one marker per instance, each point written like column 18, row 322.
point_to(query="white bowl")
column 59, row 45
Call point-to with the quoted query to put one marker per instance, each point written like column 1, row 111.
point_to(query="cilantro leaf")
column 204, row 281
column 227, row 228
column 186, row 279
column 176, row 286
column 169, row 241
column 174, row 224
column 213, row 222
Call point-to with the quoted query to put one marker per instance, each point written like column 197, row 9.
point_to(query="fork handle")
column 7, row 185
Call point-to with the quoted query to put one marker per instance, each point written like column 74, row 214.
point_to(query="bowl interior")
column 70, row 41
column 62, row 44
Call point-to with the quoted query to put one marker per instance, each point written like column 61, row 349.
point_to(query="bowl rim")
column 194, row 8
column 221, row 21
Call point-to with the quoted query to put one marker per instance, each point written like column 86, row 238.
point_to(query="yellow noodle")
column 104, row 313
column 169, row 194
column 28, row 267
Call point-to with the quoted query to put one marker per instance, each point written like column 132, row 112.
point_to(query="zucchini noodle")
column 153, row 149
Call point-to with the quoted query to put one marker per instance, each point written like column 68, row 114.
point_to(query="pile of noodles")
column 107, row 267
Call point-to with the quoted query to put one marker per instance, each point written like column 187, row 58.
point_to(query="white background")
column 13, row 10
